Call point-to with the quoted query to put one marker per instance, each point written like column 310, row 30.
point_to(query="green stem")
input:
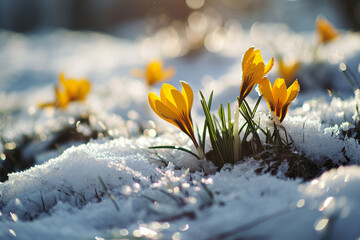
column 236, row 133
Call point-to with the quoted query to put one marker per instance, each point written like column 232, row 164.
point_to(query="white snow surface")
column 62, row 197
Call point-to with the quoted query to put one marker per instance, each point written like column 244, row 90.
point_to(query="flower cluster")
column 325, row 30
column 277, row 97
column 175, row 107
column 69, row 90
column 154, row 73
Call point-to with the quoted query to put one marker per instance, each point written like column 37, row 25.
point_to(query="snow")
column 163, row 194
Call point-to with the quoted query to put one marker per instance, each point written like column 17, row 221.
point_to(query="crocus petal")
column 84, row 89
column 258, row 58
column 246, row 56
column 188, row 95
column 252, row 76
column 284, row 111
column 246, row 87
column 180, row 102
column 171, row 117
column 70, row 87
column 257, row 73
column 293, row 91
column 249, row 63
column 153, row 100
column 279, row 90
column 266, row 91
column 280, row 95
column 165, row 112
column 47, row 104
column 62, row 99
column 167, row 98
column 62, row 79
column 154, row 72
column 269, row 66
column 325, row 30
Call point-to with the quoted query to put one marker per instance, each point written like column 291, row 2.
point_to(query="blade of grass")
column 229, row 117
column 111, row 196
column 236, row 132
column 205, row 122
column 222, row 117
column 212, row 130
column 256, row 107
column 251, row 127
column 199, row 137
column 176, row 148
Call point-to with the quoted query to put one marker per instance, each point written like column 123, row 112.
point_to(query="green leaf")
column 256, row 106
column 176, row 148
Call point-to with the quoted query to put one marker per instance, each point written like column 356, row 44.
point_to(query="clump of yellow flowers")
column 69, row 90
column 154, row 73
column 175, row 107
column 325, row 30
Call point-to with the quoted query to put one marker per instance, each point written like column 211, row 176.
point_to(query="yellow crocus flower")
column 278, row 97
column 75, row 89
column 175, row 107
column 154, row 73
column 325, row 30
column 288, row 71
column 69, row 90
column 254, row 71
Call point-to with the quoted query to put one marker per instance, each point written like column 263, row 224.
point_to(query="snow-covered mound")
column 64, row 199
column 164, row 194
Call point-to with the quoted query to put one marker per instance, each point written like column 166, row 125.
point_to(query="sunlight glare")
column 176, row 236
column 10, row 146
column 166, row 225
column 197, row 21
column 12, row 232
column 195, row 4
column 147, row 232
column 326, row 203
column 321, row 224
column 185, row 228
column 300, row 203
column 155, row 225
column 124, row 232
column 342, row 66
column 126, row 190
column 347, row 177
column 14, row 217
column 215, row 41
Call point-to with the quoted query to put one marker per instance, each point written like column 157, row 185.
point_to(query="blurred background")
column 109, row 15
column 211, row 33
